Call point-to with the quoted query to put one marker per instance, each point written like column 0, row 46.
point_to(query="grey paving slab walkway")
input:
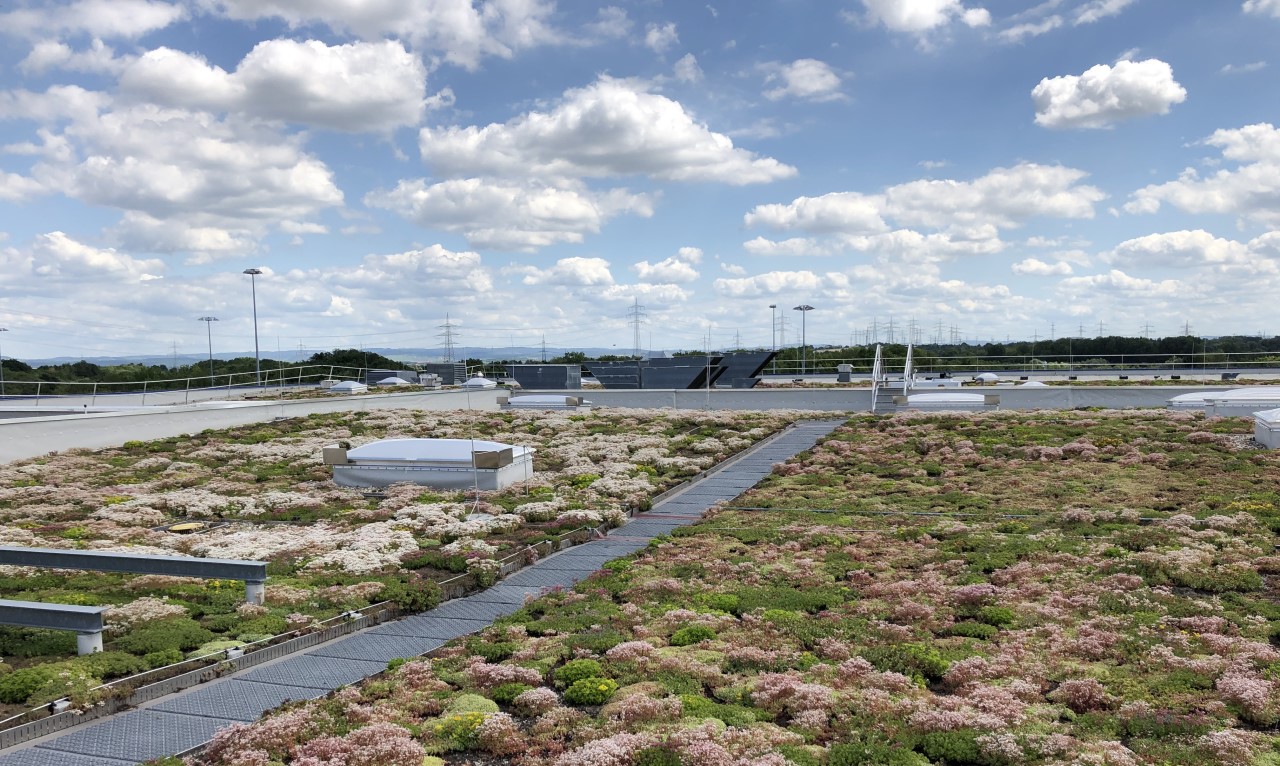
column 186, row 720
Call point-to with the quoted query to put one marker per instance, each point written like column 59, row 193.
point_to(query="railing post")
column 38, row 384
column 186, row 396
column 93, row 398
column 144, row 393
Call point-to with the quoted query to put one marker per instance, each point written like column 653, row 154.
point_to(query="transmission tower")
column 448, row 335
column 636, row 317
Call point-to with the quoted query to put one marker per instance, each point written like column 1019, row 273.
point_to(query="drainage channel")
column 185, row 721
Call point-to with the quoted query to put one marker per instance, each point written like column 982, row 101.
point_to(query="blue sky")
column 533, row 169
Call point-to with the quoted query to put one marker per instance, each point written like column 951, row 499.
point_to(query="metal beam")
column 33, row 614
column 111, row 561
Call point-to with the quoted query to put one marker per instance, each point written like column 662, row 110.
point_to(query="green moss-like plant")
column 576, row 670
column 590, row 691
column 692, row 634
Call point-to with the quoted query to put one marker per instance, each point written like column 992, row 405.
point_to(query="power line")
column 448, row 336
column 636, row 317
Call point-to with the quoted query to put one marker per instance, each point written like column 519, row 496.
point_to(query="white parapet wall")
column 439, row 463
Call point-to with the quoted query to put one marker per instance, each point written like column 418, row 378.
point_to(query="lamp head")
column 252, row 272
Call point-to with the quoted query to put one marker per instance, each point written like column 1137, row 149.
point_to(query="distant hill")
column 532, row 354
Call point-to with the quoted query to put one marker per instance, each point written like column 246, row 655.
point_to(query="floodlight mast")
column 208, row 324
column 257, row 357
column 2, row 329
column 773, row 325
column 804, row 309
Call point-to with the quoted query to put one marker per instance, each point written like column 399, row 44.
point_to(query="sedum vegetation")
column 1087, row 588
column 265, row 494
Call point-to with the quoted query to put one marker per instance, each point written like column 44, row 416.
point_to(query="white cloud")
column 1037, row 267
column 772, row 283
column 920, row 16
column 16, row 188
column 1250, row 191
column 180, row 177
column 53, row 54
column 660, row 37
column 1263, row 7
column 362, row 86
column 611, row 23
column 612, row 127
column 733, row 268
column 1096, row 10
column 1004, row 197
column 571, row 272
column 846, row 212
column 508, row 216
column 654, row 295
column 1104, row 95
column 434, row 268
column 805, row 79
column 967, row 216
column 461, row 31
column 56, row 258
column 1018, row 32
column 687, row 69
column 127, row 19
column 1116, row 281
column 1256, row 66
column 794, row 247
column 678, row 269
column 667, row 271
column 1197, row 249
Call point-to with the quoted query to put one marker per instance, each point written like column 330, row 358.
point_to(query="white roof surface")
column 429, row 450
column 1246, row 394
column 1268, row 417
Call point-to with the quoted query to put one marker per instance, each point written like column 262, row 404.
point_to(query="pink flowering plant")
column 993, row 589
column 263, row 493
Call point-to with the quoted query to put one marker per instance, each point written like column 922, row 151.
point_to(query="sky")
column 534, row 171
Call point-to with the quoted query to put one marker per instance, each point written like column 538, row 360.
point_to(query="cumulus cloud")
column 1197, row 249
column 660, row 37
column 1250, row 191
column 570, row 272
column 464, row 33
column 56, row 258
column 1118, row 282
column 804, row 79
column 506, row 215
column 180, row 177
column 16, row 188
column 1037, row 267
column 357, row 87
column 1263, row 7
column 1105, row 95
column 1004, row 197
column 921, row 16
column 678, row 269
column 772, row 283
column 443, row 271
column 53, row 54
column 846, row 212
column 610, row 128
column 104, row 19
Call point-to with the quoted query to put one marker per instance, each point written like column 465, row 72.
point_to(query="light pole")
column 2, row 329
column 208, row 326
column 773, row 309
column 804, row 309
column 257, row 358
